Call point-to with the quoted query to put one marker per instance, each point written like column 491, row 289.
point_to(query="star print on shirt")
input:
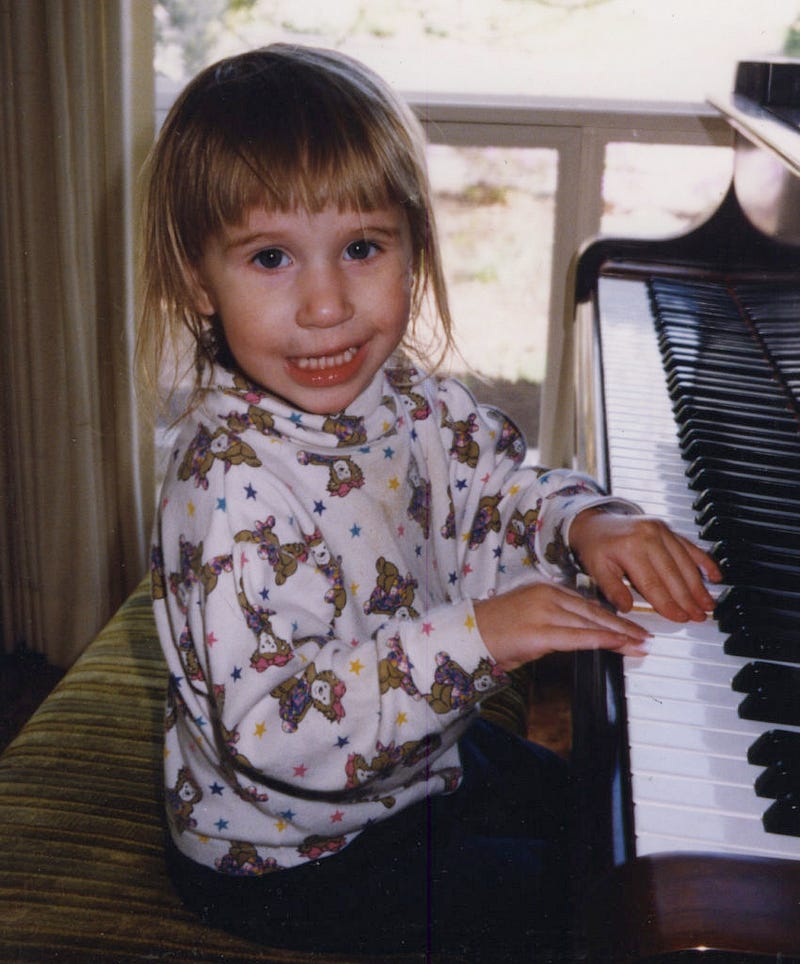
column 249, row 491
column 236, row 674
column 221, row 504
column 216, row 789
column 221, row 824
column 336, row 816
column 355, row 530
column 319, row 507
column 301, row 770
column 342, row 741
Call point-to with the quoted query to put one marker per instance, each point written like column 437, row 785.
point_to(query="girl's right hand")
column 531, row 621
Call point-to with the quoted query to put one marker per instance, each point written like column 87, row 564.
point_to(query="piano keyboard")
column 692, row 785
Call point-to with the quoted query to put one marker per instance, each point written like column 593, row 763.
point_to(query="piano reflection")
column 688, row 401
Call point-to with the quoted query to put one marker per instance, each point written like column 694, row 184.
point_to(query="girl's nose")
column 324, row 300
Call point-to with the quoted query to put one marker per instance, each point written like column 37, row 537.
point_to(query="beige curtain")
column 75, row 477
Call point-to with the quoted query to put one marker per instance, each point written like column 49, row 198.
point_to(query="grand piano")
column 688, row 402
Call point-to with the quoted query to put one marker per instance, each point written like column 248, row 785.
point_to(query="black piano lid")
column 766, row 91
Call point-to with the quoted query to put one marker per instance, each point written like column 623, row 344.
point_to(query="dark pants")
column 482, row 872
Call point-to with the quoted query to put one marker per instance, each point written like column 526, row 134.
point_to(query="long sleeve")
column 313, row 586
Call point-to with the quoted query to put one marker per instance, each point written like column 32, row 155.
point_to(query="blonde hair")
column 283, row 127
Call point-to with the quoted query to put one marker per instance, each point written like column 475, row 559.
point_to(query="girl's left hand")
column 665, row 568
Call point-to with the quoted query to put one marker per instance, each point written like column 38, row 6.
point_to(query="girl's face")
column 312, row 305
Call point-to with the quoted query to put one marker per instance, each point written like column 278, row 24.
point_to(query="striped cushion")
column 81, row 856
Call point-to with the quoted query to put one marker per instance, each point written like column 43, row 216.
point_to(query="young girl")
column 349, row 554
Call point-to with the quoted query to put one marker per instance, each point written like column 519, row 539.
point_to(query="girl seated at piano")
column 350, row 555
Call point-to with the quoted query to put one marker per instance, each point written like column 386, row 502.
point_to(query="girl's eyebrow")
column 232, row 241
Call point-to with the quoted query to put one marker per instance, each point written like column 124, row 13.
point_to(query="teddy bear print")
column 419, row 508
column 206, row 449
column 394, row 670
column 316, row 846
column 348, row 429
column 454, row 688
column 254, row 418
column 464, row 448
column 245, row 389
column 487, row 519
column 229, row 737
column 242, row 860
column 270, row 649
column 296, row 696
column 448, row 529
column 344, row 474
column 283, row 557
column 182, row 799
column 158, row 582
column 189, row 658
column 331, row 568
column 416, row 405
column 557, row 551
column 194, row 570
column 393, row 594
column 522, row 529
column 510, row 440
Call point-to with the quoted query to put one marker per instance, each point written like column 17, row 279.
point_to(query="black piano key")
column 682, row 368
column 729, row 512
column 769, row 434
column 746, row 529
column 764, row 453
column 773, row 746
column 784, row 816
column 771, row 690
column 722, row 527
column 687, row 342
column 726, row 407
column 739, row 480
column 731, row 500
column 760, row 676
column 778, row 780
column 763, row 575
column 758, row 620
column 739, row 552
column 720, row 392
column 744, row 419
column 781, row 708
column 767, row 646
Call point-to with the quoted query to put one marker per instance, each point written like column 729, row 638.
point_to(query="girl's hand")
column 528, row 622
column 662, row 566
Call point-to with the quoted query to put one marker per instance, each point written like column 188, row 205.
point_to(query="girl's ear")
column 199, row 293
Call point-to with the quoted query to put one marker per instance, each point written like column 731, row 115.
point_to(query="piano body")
column 688, row 402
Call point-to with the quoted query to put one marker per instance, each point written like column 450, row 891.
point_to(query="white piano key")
column 745, row 834
column 703, row 795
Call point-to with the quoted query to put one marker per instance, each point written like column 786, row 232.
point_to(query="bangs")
column 283, row 139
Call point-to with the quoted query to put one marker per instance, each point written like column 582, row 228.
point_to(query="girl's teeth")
column 327, row 361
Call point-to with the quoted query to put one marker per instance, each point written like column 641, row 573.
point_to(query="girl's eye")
column 360, row 250
column 270, row 258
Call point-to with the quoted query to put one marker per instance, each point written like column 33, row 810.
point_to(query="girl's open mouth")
column 322, row 371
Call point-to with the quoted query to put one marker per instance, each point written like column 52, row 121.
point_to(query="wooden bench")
column 82, row 875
